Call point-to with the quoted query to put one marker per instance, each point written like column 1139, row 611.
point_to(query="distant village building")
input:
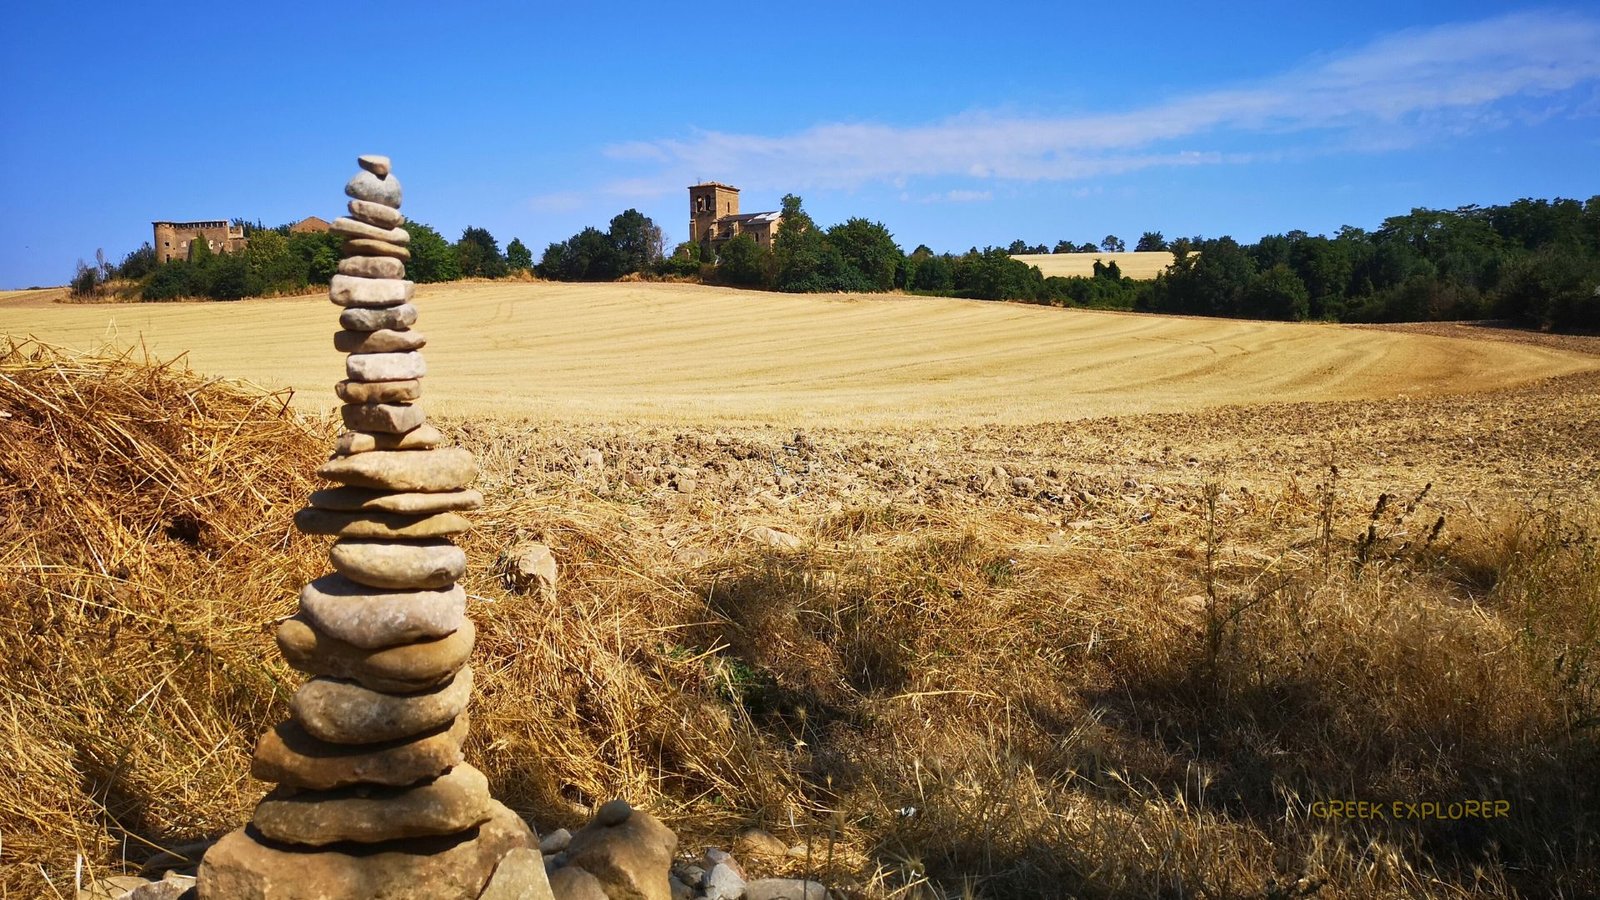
column 172, row 239
column 714, row 216
column 309, row 225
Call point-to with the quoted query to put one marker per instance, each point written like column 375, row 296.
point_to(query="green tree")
column 869, row 249
column 742, row 261
column 317, row 254
column 271, row 265
column 1112, row 244
column 1209, row 282
column 85, row 281
column 638, row 241
column 478, row 254
column 1150, row 241
column 433, row 259
column 168, row 282
column 138, row 263
column 994, row 275
column 798, row 249
column 685, row 260
column 229, row 278
column 1277, row 293
column 518, row 257
column 200, row 252
column 934, row 275
column 553, row 262
column 588, row 255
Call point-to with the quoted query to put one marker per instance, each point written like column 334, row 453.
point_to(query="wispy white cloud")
column 950, row 196
column 558, row 201
column 1399, row 90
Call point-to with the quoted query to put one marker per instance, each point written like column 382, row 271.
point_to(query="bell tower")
column 709, row 202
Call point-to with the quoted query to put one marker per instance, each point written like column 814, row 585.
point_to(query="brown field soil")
column 666, row 353
column 1136, row 265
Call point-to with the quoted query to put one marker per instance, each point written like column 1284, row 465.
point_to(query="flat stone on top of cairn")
column 374, row 797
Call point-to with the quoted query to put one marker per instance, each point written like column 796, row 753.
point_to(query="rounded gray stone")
column 344, row 712
column 351, row 499
column 383, row 340
column 374, row 247
column 376, row 214
column 389, row 418
column 407, row 391
column 401, row 565
column 423, row 437
column 355, row 228
column 287, row 754
column 392, row 317
column 353, row 290
column 381, row 525
column 370, row 617
column 372, row 266
column 374, row 163
column 385, row 366
column 401, row 669
column 427, row 471
column 614, row 812
column 451, row 803
column 242, row 866
column 369, row 187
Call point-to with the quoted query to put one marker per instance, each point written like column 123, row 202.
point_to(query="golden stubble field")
column 660, row 353
column 1141, row 266
column 1114, row 603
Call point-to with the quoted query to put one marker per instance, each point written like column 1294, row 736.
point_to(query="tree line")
column 1536, row 262
column 280, row 261
column 857, row 256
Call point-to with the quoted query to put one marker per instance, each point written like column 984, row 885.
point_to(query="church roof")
column 756, row 217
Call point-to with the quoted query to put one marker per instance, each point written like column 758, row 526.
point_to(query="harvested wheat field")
column 1032, row 651
column 1139, row 265
column 659, row 353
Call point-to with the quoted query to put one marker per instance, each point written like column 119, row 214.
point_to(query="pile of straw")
column 144, row 543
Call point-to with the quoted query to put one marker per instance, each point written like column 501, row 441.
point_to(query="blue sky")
column 954, row 124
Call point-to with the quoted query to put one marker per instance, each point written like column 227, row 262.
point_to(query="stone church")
column 714, row 216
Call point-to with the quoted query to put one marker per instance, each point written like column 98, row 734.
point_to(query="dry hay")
column 143, row 516
column 942, row 683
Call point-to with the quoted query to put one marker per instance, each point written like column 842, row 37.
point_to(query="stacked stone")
column 372, row 787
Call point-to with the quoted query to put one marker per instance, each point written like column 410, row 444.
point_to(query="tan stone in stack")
column 374, row 798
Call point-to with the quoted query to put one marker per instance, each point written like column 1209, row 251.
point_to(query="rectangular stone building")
column 172, row 239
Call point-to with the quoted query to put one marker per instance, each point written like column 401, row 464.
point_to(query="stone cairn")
column 374, row 798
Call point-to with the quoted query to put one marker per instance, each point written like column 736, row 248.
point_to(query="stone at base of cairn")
column 243, row 866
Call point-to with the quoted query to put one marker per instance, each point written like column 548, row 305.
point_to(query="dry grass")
column 1131, row 678
column 665, row 353
column 1141, row 266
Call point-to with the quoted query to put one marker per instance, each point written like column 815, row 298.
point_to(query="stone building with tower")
column 714, row 216
column 172, row 239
